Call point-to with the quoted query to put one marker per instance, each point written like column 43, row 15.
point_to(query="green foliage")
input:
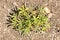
column 27, row 19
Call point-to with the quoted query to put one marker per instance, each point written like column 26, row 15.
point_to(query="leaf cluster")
column 28, row 19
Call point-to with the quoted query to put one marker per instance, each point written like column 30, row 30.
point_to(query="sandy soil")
column 6, row 33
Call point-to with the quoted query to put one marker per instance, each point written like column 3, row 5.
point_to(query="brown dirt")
column 7, row 33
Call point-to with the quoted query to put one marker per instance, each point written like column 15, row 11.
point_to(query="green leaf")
column 27, row 19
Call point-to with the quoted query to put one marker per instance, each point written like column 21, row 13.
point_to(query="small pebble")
column 26, row 3
column 15, row 4
column 5, row 29
column 46, row 9
column 8, row 9
column 0, row 23
column 4, row 6
column 58, row 30
column 49, row 15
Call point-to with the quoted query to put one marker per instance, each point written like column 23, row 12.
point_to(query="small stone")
column 58, row 29
column 46, row 4
column 4, row 6
column 8, row 10
column 15, row 4
column 49, row 15
column 0, row 23
column 5, row 29
column 46, row 9
column 26, row 3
